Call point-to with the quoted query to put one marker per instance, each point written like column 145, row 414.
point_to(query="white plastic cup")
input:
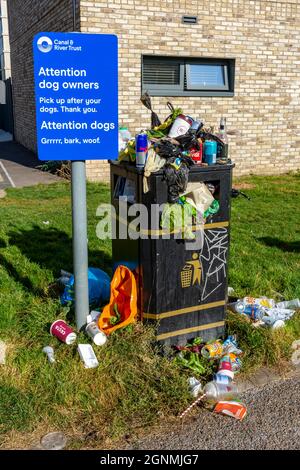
column 98, row 337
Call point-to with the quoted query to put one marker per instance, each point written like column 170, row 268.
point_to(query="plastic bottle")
column 122, row 143
column 215, row 392
column 295, row 303
column 222, row 150
column 126, row 135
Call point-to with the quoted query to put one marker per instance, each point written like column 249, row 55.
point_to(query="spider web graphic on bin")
column 214, row 257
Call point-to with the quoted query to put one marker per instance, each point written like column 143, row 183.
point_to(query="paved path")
column 18, row 167
column 273, row 422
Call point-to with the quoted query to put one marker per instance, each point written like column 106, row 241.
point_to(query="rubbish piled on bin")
column 221, row 394
column 178, row 136
column 264, row 311
column 175, row 146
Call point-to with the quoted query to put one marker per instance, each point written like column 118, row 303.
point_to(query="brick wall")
column 4, row 46
column 27, row 18
column 263, row 36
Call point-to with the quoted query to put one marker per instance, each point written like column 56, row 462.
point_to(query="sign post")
column 76, row 91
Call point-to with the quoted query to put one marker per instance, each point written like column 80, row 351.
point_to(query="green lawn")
column 133, row 386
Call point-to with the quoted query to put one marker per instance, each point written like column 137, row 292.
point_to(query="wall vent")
column 190, row 19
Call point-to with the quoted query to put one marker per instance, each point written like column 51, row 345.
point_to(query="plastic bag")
column 199, row 197
column 122, row 307
column 99, row 288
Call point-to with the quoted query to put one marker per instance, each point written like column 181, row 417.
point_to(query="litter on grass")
column 88, row 356
column 54, row 441
column 265, row 312
column 49, row 351
column 222, row 393
column 2, row 352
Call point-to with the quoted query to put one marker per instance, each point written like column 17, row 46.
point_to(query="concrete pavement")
column 18, row 167
column 272, row 422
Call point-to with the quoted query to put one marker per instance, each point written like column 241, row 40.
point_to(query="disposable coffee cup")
column 63, row 332
column 96, row 334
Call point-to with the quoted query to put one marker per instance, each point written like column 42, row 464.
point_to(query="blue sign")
column 76, row 93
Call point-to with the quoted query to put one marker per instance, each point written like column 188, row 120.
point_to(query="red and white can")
column 63, row 332
column 195, row 154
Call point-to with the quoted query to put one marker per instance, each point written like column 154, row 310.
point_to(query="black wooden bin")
column 184, row 291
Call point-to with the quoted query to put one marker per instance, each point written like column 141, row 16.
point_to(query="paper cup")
column 63, row 332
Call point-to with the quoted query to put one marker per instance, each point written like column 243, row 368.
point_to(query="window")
column 167, row 76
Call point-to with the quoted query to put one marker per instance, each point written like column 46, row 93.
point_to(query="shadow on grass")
column 51, row 249
column 19, row 278
column 282, row 245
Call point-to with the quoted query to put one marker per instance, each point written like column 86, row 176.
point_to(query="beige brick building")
column 263, row 36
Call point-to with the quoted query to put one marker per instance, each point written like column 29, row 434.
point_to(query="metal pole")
column 80, row 249
column 79, row 225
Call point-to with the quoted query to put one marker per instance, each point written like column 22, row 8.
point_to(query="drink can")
column 212, row 350
column 141, row 150
column 225, row 363
column 197, row 154
column 63, row 332
column 210, row 152
column 253, row 311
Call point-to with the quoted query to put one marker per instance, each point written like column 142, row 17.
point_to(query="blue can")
column 210, row 152
column 141, row 150
column 253, row 311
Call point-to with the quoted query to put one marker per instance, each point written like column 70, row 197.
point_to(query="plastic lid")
column 71, row 338
column 226, row 372
column 100, row 338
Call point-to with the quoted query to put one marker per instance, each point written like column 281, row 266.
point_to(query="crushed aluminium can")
column 212, row 350
column 234, row 409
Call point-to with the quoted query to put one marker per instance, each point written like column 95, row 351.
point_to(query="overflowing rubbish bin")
column 171, row 190
column 182, row 282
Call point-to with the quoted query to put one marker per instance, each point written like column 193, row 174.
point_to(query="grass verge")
column 133, row 386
